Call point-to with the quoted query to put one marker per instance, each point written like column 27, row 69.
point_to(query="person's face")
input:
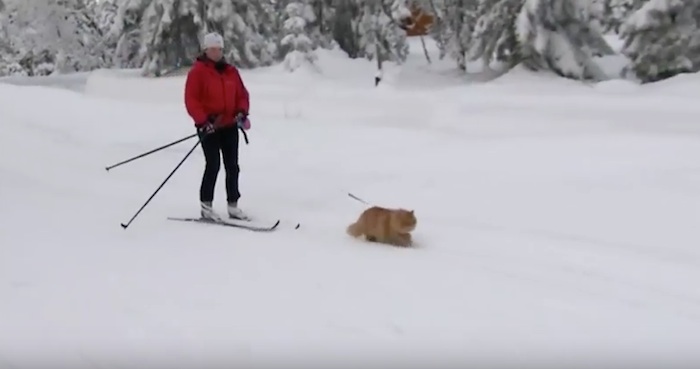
column 214, row 53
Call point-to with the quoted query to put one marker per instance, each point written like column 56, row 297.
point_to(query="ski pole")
column 162, row 184
column 358, row 199
column 150, row 152
column 245, row 136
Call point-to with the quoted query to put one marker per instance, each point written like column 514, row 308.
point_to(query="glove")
column 208, row 126
column 242, row 120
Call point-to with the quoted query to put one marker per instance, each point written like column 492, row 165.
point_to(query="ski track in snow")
column 556, row 223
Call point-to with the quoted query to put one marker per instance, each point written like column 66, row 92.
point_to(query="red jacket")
column 210, row 92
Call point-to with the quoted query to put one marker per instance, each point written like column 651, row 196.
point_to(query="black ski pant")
column 221, row 143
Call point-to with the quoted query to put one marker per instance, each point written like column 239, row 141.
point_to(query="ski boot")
column 234, row 212
column 208, row 213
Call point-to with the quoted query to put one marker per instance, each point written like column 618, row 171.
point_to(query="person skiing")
column 218, row 102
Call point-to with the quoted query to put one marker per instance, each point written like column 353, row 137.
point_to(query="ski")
column 232, row 223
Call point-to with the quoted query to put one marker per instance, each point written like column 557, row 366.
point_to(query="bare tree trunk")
column 425, row 49
column 376, row 11
column 378, row 76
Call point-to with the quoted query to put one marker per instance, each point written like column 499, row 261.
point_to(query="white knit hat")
column 212, row 40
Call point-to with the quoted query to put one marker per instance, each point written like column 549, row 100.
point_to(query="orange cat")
column 389, row 226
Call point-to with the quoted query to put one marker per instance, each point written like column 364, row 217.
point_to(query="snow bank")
column 612, row 65
column 74, row 81
column 680, row 86
column 618, row 87
column 129, row 85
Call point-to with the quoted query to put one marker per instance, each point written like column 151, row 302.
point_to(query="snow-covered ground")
column 557, row 222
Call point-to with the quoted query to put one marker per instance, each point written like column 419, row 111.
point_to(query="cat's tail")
column 354, row 230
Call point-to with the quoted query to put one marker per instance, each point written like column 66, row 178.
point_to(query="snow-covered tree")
column 246, row 28
column 322, row 27
column 162, row 35
column 379, row 33
column 125, row 34
column 494, row 37
column 597, row 13
column 299, row 48
column 105, row 13
column 369, row 29
column 455, row 21
column 78, row 37
column 344, row 26
column 617, row 11
column 57, row 36
column 171, row 32
column 557, row 35
column 5, row 49
column 271, row 25
column 662, row 39
column 8, row 60
column 394, row 31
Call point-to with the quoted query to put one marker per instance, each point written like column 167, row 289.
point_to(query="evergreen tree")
column 344, row 26
column 598, row 14
column 171, row 34
column 397, row 14
column 250, row 41
column 494, row 37
column 78, row 37
column 460, row 22
column 125, row 34
column 8, row 58
column 455, row 21
column 299, row 46
column 105, row 13
column 617, row 11
column 322, row 26
column 5, row 48
column 378, row 29
column 162, row 35
column 257, row 42
column 268, row 24
column 662, row 39
column 557, row 35
column 53, row 37
column 369, row 29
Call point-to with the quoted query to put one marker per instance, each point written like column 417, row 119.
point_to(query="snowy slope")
column 557, row 222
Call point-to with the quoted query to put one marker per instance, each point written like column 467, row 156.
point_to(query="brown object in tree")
column 419, row 23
